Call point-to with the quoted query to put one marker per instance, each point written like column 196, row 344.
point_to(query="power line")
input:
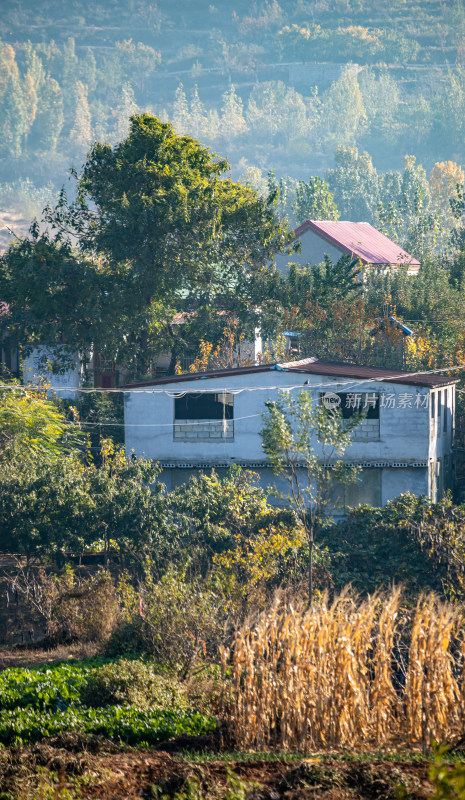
column 163, row 424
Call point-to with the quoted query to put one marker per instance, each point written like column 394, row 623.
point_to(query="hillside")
column 272, row 86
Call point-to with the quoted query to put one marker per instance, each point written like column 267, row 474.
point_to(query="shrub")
column 86, row 609
column 205, row 516
column 410, row 541
column 448, row 779
column 131, row 683
column 70, row 606
column 176, row 620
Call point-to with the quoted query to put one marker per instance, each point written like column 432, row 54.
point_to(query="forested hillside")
column 270, row 85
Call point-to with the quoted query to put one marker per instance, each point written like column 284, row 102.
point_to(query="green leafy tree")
column 56, row 297
column 174, row 230
column 343, row 112
column 276, row 112
column 55, row 499
column 88, row 70
column 14, row 124
column 355, row 184
column 124, row 111
column 233, row 122
column 132, row 62
column 305, row 444
column 198, row 118
column 69, row 65
column 314, row 201
column 180, row 115
column 409, row 218
column 32, row 427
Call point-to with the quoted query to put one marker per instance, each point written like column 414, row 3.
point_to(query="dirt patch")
column 90, row 767
column 34, row 657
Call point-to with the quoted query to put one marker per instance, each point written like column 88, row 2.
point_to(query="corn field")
column 347, row 674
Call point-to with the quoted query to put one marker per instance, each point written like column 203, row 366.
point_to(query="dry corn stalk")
column 330, row 676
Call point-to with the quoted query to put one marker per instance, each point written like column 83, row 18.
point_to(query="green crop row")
column 120, row 724
column 46, row 687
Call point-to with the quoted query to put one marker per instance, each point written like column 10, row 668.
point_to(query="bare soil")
column 27, row 656
column 74, row 766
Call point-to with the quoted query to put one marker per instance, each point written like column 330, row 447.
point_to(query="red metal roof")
column 312, row 366
column 360, row 239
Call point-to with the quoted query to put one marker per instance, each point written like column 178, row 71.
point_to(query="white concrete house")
column 191, row 423
column 360, row 240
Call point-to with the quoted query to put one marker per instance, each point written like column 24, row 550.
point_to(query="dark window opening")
column 352, row 403
column 211, row 405
column 433, row 397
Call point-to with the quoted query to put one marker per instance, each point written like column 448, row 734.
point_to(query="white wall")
column 149, row 418
column 34, row 371
column 313, row 249
column 398, row 481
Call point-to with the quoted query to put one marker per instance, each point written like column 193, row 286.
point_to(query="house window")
column 204, row 416
column 351, row 403
column 354, row 403
column 433, row 400
column 446, row 405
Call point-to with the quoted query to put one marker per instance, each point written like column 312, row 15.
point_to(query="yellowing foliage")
column 255, row 560
column 231, row 351
column 443, row 181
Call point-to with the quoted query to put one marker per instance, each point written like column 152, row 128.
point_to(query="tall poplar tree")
column 14, row 124
column 50, row 116
column 81, row 131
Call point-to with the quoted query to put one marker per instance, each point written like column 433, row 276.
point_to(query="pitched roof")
column 360, row 239
column 312, row 366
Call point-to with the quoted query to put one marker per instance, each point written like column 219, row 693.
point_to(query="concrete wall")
column 400, row 458
column 374, row 486
column 313, row 249
column 36, row 367
column 404, row 425
column 398, row 481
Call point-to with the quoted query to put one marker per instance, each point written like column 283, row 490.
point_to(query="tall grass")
column 348, row 673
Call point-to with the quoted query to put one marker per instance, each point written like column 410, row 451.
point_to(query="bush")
column 133, row 683
column 180, row 624
column 205, row 516
column 71, row 607
column 410, row 541
column 87, row 610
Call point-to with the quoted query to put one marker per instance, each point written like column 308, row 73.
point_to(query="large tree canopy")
column 160, row 228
